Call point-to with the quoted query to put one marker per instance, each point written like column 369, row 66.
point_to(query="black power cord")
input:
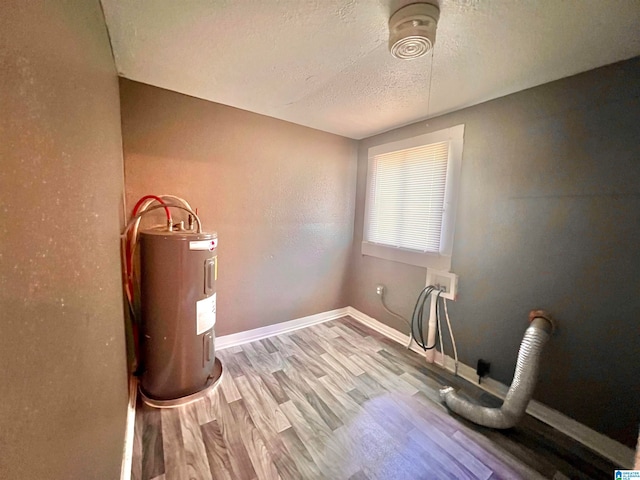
column 417, row 319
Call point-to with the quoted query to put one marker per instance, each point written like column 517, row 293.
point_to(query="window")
column 412, row 190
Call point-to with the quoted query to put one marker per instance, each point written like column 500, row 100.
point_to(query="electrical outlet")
column 379, row 289
column 482, row 370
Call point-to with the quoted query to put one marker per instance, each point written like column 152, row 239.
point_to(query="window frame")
column 441, row 260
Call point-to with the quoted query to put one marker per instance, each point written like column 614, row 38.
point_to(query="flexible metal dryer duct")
column 524, row 380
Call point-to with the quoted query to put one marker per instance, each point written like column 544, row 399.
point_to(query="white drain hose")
column 524, row 380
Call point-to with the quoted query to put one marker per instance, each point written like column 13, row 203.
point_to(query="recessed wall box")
column 445, row 281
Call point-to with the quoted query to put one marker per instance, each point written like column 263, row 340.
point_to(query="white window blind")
column 407, row 197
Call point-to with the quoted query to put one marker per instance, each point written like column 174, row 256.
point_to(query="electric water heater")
column 178, row 273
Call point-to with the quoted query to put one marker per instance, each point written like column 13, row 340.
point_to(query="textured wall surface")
column 62, row 352
column 549, row 217
column 280, row 196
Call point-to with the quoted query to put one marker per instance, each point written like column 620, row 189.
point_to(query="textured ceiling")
column 325, row 64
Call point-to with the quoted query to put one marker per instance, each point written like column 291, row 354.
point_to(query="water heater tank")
column 178, row 273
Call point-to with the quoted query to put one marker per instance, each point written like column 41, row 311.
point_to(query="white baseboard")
column 239, row 338
column 127, row 456
column 607, row 447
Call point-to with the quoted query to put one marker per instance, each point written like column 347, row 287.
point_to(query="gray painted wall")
column 62, row 352
column 280, row 196
column 549, row 217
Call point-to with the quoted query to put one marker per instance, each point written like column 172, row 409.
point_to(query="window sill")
column 410, row 257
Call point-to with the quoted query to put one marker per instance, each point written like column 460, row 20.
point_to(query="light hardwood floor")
column 339, row 401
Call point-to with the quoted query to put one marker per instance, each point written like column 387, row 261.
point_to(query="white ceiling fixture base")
column 412, row 30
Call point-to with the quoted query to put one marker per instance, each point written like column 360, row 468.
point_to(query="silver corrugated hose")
column 524, row 380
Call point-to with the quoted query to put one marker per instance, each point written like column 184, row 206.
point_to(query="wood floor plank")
column 276, row 391
column 353, row 327
column 312, row 340
column 299, row 392
column 303, row 377
column 434, row 462
column 231, row 429
column 216, row 451
column 369, row 336
column 203, row 410
column 228, row 360
column 300, row 454
column 322, row 365
column 254, row 443
column 359, row 475
column 175, row 464
column 269, row 420
column 352, row 338
column 283, row 348
column 365, row 345
column 426, row 380
column 195, row 455
column 312, row 362
column 357, row 396
column 335, row 404
column 339, row 391
column 340, row 358
column 384, row 411
column 311, row 366
column 268, row 345
column 433, row 414
column 299, row 339
column 442, row 459
column 415, row 363
column 368, row 386
column 384, row 377
column 431, row 393
column 531, row 458
column 338, row 371
column 258, row 357
column 388, row 363
column 243, row 361
column 264, row 410
column 206, row 407
column 380, row 454
column 344, row 368
column 325, row 412
column 136, row 463
column 342, row 345
column 331, row 456
column 228, row 385
column 399, row 363
column 152, row 463
column 501, row 467
column 269, row 361
column 368, row 331
column 312, row 397
column 258, row 347
column 566, row 448
column 321, row 330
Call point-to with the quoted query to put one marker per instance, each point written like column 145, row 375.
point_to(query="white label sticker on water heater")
column 208, row 245
column 205, row 314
